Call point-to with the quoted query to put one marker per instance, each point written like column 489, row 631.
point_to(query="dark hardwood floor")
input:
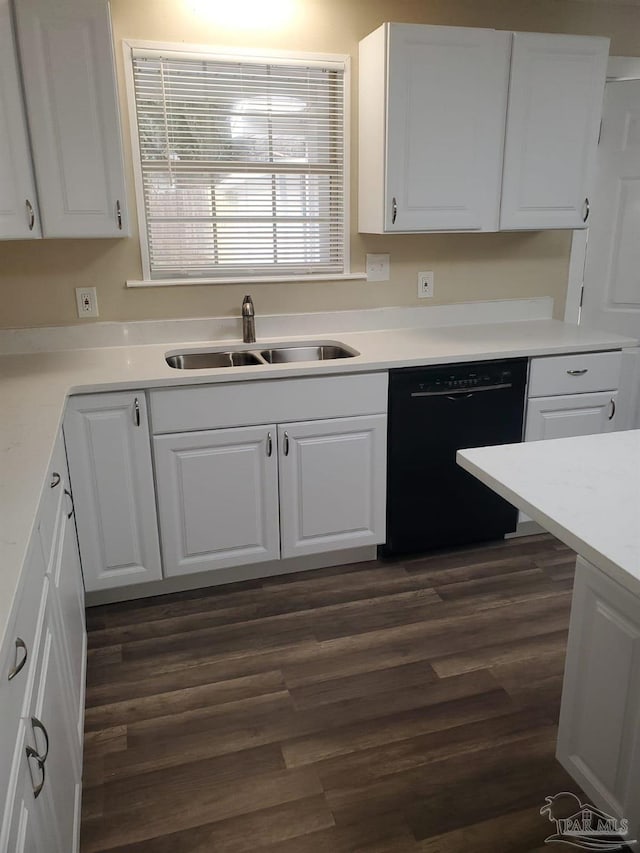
column 378, row 707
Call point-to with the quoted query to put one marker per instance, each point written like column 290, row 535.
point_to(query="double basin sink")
column 274, row 354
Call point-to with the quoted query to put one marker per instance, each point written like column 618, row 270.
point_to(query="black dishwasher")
column 433, row 412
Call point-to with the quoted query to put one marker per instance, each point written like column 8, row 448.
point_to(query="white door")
column 109, row 454
column 553, row 120
column 69, row 595
column 72, row 106
column 612, row 271
column 570, row 414
column 332, row 484
column 598, row 741
column 18, row 207
column 447, row 91
column 217, row 498
column 611, row 295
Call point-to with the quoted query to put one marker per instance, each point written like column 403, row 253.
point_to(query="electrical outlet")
column 425, row 284
column 87, row 302
column 377, row 267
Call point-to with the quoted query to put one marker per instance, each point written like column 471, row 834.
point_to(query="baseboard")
column 218, row 577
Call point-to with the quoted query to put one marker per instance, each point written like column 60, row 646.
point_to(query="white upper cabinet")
column 553, row 121
column 18, row 207
column 68, row 72
column 464, row 129
column 432, row 106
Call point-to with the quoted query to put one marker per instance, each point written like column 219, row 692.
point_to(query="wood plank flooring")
column 405, row 707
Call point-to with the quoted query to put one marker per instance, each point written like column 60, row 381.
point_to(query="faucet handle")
column 247, row 306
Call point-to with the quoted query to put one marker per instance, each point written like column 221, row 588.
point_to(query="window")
column 241, row 166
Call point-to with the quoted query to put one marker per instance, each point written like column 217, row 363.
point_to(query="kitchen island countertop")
column 585, row 490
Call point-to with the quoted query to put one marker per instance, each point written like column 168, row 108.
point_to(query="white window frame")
column 192, row 51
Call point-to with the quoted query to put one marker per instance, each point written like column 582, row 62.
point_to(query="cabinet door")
column 70, row 90
column 69, row 595
column 447, row 91
column 217, row 498
column 51, row 733
column 18, row 213
column 553, row 121
column 570, row 414
column 109, row 454
column 25, row 829
column 599, row 733
column 332, row 484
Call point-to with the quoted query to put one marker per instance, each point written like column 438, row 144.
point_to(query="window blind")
column 241, row 166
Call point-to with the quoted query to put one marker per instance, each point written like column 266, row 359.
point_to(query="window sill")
column 258, row 279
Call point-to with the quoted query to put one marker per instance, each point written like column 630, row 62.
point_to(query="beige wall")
column 37, row 279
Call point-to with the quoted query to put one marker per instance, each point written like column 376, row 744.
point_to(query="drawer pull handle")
column 37, row 724
column 19, row 664
column 119, row 214
column 286, row 444
column 70, row 496
column 394, row 211
column 136, row 412
column 613, row 409
column 586, row 209
column 55, row 479
column 269, row 445
column 578, row 372
column 37, row 789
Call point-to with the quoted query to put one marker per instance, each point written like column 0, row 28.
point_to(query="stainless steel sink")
column 199, row 360
column 275, row 354
column 322, row 352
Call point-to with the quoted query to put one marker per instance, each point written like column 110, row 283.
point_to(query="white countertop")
column 585, row 490
column 34, row 387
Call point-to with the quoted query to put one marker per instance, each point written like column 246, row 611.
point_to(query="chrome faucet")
column 248, row 321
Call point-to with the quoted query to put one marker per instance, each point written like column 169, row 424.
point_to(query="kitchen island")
column 586, row 491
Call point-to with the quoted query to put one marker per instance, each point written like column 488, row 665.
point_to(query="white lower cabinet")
column 230, row 497
column 109, row 456
column 599, row 734
column 42, row 687
column 332, row 484
column 217, row 498
column 570, row 414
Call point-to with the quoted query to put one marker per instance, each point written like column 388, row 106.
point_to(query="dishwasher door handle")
column 462, row 391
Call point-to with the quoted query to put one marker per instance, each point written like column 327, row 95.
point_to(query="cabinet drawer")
column 574, row 374
column 56, row 482
column 273, row 401
column 20, row 645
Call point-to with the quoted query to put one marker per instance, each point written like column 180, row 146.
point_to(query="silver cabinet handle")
column 18, row 664
column 136, row 412
column 394, row 210
column 578, row 372
column 73, row 508
column 37, row 724
column 285, row 449
column 119, row 214
column 37, row 789
column 55, row 479
column 30, row 213
column 613, row 409
column 269, row 445
column 586, row 208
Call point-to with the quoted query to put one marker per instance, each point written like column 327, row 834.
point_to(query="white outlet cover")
column 87, row 302
column 377, row 267
column 425, row 284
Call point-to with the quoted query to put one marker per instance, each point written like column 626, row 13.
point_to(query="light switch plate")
column 377, row 267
